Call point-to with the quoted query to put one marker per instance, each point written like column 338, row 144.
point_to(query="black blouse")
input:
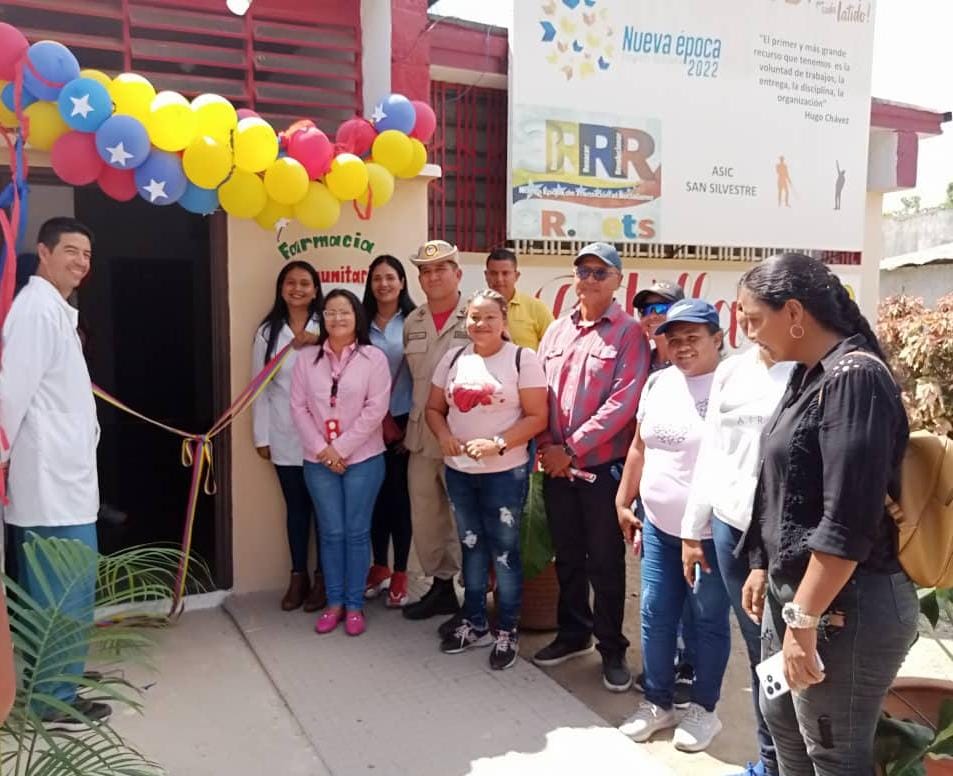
column 827, row 466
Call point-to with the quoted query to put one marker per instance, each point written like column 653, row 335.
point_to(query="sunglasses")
column 597, row 273
column 655, row 308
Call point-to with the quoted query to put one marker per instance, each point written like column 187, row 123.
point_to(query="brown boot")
column 298, row 589
column 318, row 597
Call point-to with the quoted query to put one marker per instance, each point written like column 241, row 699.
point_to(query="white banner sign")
column 758, row 111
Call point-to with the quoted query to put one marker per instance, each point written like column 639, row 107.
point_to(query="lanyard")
column 336, row 378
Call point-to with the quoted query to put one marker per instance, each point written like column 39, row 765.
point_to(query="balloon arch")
column 204, row 154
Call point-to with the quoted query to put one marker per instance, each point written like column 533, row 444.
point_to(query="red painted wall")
column 410, row 49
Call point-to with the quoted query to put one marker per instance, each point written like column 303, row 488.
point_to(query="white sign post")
column 706, row 122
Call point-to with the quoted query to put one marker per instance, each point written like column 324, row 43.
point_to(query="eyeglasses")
column 655, row 308
column 332, row 314
column 598, row 273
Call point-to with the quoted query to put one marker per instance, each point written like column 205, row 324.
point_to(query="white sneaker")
column 696, row 730
column 647, row 721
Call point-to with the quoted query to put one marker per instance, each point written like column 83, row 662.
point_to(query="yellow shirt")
column 527, row 320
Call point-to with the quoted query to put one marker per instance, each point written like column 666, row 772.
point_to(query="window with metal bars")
column 285, row 59
column 468, row 204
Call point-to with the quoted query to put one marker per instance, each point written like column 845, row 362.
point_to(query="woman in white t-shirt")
column 293, row 320
column 658, row 469
column 744, row 395
column 487, row 402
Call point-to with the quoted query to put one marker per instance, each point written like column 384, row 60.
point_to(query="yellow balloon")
column 417, row 162
column 255, row 144
column 392, row 149
column 171, row 122
column 347, row 178
column 243, row 195
column 97, row 75
column 319, row 209
column 207, row 162
column 286, row 181
column 8, row 119
column 132, row 95
column 273, row 212
column 380, row 185
column 216, row 116
column 46, row 125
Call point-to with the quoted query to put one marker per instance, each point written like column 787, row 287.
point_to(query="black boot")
column 440, row 599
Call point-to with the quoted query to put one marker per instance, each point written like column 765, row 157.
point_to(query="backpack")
column 924, row 514
column 519, row 357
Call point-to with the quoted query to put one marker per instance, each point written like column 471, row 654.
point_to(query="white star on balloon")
column 118, row 154
column 81, row 106
column 378, row 113
column 155, row 189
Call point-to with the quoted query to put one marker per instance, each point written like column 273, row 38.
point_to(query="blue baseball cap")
column 690, row 311
column 604, row 251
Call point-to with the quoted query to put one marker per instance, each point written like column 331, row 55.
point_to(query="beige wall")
column 255, row 257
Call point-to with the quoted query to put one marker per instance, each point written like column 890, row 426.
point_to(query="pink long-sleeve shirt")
column 363, row 397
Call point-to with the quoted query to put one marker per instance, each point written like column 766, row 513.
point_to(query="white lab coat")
column 48, row 413
column 272, row 425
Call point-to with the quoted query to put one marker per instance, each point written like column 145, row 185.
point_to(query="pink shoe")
column 329, row 619
column 354, row 624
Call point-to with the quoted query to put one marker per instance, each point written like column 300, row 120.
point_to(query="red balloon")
column 246, row 113
column 75, row 159
column 356, row 136
column 426, row 121
column 118, row 184
column 13, row 48
column 312, row 148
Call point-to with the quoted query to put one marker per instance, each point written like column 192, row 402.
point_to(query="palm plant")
column 52, row 639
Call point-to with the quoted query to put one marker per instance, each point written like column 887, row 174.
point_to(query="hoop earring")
column 796, row 331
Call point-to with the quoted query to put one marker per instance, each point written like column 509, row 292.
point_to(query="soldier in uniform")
column 430, row 331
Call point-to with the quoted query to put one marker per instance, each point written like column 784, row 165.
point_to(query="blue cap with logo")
column 603, row 251
column 690, row 311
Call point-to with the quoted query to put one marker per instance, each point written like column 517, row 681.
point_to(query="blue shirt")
column 391, row 341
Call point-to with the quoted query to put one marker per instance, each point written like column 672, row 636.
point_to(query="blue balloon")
column 394, row 112
column 123, row 142
column 50, row 66
column 200, row 201
column 85, row 104
column 160, row 179
column 7, row 97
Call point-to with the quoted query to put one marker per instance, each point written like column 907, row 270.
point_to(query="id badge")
column 332, row 429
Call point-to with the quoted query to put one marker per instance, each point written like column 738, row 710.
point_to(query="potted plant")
column 917, row 726
column 50, row 641
column 540, row 586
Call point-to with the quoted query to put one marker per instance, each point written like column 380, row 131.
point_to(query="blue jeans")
column 734, row 571
column 298, row 507
column 488, row 509
column 664, row 592
column 77, row 605
column 344, row 504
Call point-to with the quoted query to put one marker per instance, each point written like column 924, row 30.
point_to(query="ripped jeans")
column 828, row 729
column 487, row 509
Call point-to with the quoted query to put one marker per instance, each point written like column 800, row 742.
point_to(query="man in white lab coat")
column 48, row 413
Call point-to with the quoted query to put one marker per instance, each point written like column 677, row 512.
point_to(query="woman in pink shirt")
column 340, row 391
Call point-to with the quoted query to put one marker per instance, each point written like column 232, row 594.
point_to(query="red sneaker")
column 397, row 595
column 378, row 580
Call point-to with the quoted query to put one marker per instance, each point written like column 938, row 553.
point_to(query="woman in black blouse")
column 823, row 547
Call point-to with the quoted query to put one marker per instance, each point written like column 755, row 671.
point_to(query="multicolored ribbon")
column 197, row 454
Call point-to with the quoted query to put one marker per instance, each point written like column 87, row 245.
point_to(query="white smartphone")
column 771, row 675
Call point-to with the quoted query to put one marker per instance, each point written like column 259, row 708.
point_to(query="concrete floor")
column 249, row 690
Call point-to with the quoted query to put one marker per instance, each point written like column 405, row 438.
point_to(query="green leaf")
column 536, row 544
column 930, row 606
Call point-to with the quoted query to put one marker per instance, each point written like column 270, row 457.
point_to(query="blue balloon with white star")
column 394, row 112
column 160, row 180
column 200, row 201
column 85, row 104
column 8, row 98
column 122, row 142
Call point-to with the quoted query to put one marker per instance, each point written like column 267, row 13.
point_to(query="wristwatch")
column 500, row 443
column 568, row 450
column 795, row 617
